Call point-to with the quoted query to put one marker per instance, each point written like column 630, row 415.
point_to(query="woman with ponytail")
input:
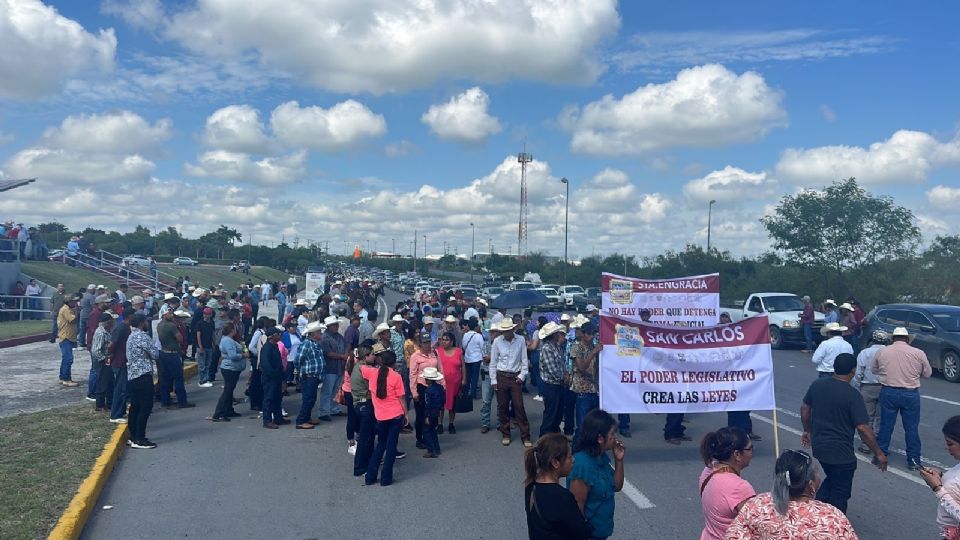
column 552, row 511
column 790, row 511
column 725, row 453
column 390, row 410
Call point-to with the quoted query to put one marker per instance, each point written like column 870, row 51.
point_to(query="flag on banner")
column 654, row 369
column 692, row 301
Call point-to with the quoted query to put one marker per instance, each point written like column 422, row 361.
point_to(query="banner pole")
column 776, row 434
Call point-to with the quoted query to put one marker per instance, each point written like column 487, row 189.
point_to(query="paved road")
column 236, row 479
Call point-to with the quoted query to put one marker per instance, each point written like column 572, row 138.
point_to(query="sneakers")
column 305, row 426
column 89, row 397
column 118, row 420
column 143, row 444
column 207, row 384
column 71, row 384
column 527, row 443
column 352, row 449
column 401, row 455
column 914, row 464
column 484, row 429
column 538, row 398
column 451, row 429
column 220, row 419
column 505, row 441
column 284, row 413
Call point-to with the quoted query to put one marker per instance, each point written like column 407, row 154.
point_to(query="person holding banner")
column 584, row 381
column 832, row 410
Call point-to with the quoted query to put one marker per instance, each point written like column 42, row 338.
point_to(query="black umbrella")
column 518, row 299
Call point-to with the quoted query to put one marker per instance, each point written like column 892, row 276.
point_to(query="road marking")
column 892, row 470
column 941, row 400
column 635, row 496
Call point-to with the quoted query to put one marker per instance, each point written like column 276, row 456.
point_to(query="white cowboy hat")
column 182, row 313
column 506, row 325
column 902, row 332
column 332, row 319
column 200, row 291
column 315, row 326
column 829, row 302
column 591, row 307
column 452, row 299
column 170, row 296
column 846, row 306
column 482, row 301
column 432, row 374
column 427, row 320
column 832, row 327
column 397, row 318
column 382, row 327
column 136, row 300
column 300, row 302
column 450, row 319
column 549, row 329
column 565, row 317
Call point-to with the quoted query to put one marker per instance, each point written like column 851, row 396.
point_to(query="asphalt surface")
column 237, row 480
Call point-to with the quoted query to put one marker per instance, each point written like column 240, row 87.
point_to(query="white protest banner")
column 692, row 301
column 314, row 286
column 654, row 369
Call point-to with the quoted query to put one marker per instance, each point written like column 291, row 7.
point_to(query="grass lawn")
column 44, row 457
column 13, row 329
column 211, row 275
column 72, row 278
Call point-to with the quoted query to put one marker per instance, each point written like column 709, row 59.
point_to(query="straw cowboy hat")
column 315, row 326
column 846, row 306
column 331, row 320
column 549, row 329
column 427, row 320
column 832, row 327
column 397, row 318
column 182, row 313
column 450, row 319
column 432, row 374
column 379, row 348
column 382, row 327
column 565, row 317
column 902, row 332
column 506, row 325
column 829, row 302
column 482, row 301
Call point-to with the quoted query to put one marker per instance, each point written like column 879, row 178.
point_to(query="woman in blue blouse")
column 233, row 360
column 592, row 481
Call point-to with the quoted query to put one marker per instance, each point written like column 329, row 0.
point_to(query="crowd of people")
column 432, row 357
column 17, row 241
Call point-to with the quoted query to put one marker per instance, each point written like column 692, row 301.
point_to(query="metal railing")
column 9, row 250
column 26, row 308
column 119, row 271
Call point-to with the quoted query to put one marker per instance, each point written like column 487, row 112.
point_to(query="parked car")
column 936, row 331
column 522, row 285
column 554, row 302
column 591, row 295
column 55, row 255
column 185, row 261
column 783, row 311
column 136, row 260
column 240, row 266
column 490, row 293
column 569, row 292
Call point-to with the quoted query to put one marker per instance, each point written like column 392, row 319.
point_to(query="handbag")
column 339, row 397
column 463, row 403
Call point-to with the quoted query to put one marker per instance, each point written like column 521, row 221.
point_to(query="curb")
column 74, row 518
column 23, row 340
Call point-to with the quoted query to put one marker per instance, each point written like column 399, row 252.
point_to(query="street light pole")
column 709, row 222
column 414, row 251
column 566, row 228
column 473, row 251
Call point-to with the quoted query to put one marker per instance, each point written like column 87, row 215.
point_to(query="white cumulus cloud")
column 730, row 184
column 121, row 132
column 236, row 128
column 393, row 45
column 70, row 167
column 41, row 49
column 906, row 157
column 464, row 118
column 704, row 106
column 944, row 198
column 342, row 126
column 239, row 166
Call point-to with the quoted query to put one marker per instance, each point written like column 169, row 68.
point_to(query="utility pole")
column 523, row 158
column 414, row 251
column 473, row 251
column 566, row 229
column 709, row 219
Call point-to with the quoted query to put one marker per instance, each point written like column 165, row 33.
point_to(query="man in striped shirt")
column 100, row 353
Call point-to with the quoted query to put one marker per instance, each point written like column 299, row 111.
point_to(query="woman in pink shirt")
column 454, row 373
column 390, row 410
column 725, row 453
column 420, row 360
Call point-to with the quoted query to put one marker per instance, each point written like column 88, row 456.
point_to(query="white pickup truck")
column 783, row 310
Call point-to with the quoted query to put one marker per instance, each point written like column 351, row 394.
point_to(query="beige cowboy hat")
column 102, row 299
column 902, row 332
column 200, row 291
column 846, row 306
column 832, row 327
column 379, row 348
column 450, row 319
column 549, row 329
column 397, row 318
column 506, row 325
column 432, row 374
column 136, row 300
column 829, row 302
column 170, row 296
column 315, row 326
column 481, row 301
column 427, row 320
column 565, row 317
column 331, row 320
column 182, row 313
column 300, row 302
column 382, row 327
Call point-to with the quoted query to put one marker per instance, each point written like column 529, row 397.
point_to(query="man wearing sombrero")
column 828, row 349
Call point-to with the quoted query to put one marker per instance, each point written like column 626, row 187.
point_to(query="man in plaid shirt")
column 553, row 372
column 310, row 362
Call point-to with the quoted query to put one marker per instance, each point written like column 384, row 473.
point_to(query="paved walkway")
column 29, row 375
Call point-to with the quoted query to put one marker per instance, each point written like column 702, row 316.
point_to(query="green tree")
column 843, row 227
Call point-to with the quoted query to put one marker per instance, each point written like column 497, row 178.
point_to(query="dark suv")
column 936, row 329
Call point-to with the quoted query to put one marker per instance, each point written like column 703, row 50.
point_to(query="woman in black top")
column 552, row 512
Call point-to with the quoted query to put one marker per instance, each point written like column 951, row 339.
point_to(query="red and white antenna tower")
column 523, row 158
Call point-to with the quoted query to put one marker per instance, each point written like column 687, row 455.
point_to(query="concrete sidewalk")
column 29, row 375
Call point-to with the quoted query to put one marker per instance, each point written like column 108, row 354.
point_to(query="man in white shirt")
column 360, row 312
column 508, row 370
column 473, row 345
column 265, row 293
column 868, row 382
column 828, row 350
column 471, row 313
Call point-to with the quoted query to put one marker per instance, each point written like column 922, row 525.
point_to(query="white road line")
column 635, row 496
column 941, row 400
column 892, row 470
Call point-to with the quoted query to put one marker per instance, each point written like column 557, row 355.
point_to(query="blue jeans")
column 92, row 377
column 569, row 404
column 837, row 484
column 552, row 408
column 308, row 397
column 366, row 428
column 272, row 408
column 82, row 332
column 808, row 337
column 486, row 395
column 907, row 404
column 204, row 360
column 535, row 372
column 388, row 432
column 53, row 328
column 585, row 403
column 119, row 406
column 330, row 381
column 473, row 378
column 430, row 438
column 171, row 378
column 66, row 359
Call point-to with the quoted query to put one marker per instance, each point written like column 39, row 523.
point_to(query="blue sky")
column 347, row 122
